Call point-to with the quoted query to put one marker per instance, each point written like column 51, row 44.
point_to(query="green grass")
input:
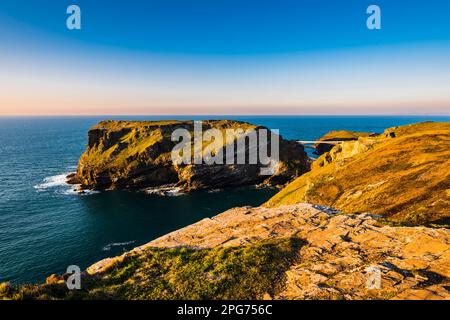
column 120, row 124
column 141, row 136
column 344, row 134
column 244, row 272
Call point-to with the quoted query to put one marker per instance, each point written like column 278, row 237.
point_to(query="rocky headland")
column 368, row 221
column 137, row 155
column 334, row 255
column 296, row 251
column 402, row 175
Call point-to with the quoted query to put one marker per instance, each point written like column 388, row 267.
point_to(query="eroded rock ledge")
column 414, row 262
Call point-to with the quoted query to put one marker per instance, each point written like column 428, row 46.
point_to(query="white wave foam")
column 109, row 246
column 215, row 190
column 174, row 192
column 74, row 191
column 167, row 190
column 59, row 184
column 53, row 182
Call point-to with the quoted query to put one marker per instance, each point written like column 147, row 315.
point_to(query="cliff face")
column 135, row 154
column 341, row 135
column 337, row 254
column 402, row 174
column 290, row 252
column 290, row 249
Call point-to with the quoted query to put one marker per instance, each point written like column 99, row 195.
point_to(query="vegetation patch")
column 244, row 272
column 402, row 175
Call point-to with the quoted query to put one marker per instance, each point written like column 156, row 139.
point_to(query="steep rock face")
column 297, row 251
column 137, row 154
column 344, row 151
column 339, row 257
column 341, row 135
column 402, row 174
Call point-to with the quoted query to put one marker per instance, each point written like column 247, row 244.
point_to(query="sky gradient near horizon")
column 224, row 57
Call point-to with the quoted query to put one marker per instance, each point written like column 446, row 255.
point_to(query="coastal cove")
column 46, row 226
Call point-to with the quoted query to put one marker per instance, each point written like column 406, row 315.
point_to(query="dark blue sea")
column 45, row 226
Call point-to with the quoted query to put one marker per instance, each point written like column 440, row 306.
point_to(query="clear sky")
column 224, row 57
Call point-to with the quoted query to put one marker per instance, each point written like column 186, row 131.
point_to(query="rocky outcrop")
column 137, row 154
column 355, row 241
column 297, row 251
column 342, row 256
column 402, row 174
column 341, row 135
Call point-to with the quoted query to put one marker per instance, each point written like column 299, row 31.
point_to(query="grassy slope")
column 142, row 136
column 343, row 134
column 406, row 178
column 118, row 124
column 245, row 272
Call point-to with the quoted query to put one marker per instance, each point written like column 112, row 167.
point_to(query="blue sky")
column 224, row 56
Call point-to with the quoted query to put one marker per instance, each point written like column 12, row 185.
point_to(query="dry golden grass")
column 343, row 134
column 405, row 178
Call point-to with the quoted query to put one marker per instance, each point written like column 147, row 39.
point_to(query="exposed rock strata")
column 402, row 174
column 137, row 154
column 339, row 252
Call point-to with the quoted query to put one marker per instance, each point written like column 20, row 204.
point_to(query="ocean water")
column 45, row 226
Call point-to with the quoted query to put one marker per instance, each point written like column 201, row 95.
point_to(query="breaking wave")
column 109, row 246
column 214, row 190
column 53, row 182
column 168, row 191
column 58, row 184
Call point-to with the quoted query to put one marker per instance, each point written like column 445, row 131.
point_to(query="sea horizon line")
column 223, row 115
